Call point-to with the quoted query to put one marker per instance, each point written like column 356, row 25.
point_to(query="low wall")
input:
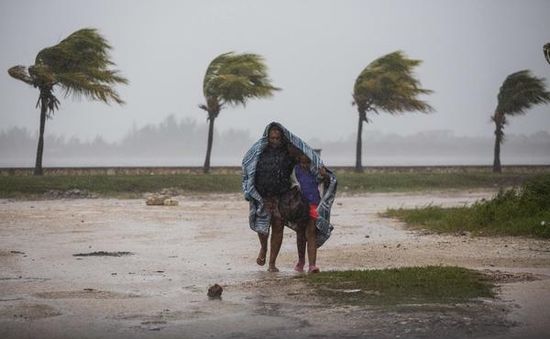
column 237, row 170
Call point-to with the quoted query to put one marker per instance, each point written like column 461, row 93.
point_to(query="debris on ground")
column 510, row 277
column 74, row 193
column 161, row 200
column 215, row 291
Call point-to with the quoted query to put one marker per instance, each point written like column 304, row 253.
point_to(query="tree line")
column 180, row 142
column 80, row 65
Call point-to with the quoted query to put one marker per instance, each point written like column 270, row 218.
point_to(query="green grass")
column 406, row 182
column 116, row 185
column 523, row 211
column 408, row 285
column 16, row 186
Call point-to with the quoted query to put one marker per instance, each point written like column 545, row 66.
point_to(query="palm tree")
column 79, row 65
column 232, row 79
column 546, row 50
column 387, row 84
column 519, row 92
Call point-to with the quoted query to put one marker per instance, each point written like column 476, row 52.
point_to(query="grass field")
column 115, row 185
column 407, row 285
column 523, row 211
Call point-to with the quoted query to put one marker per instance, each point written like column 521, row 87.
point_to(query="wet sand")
column 159, row 288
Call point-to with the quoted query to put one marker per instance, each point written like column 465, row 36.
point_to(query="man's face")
column 274, row 138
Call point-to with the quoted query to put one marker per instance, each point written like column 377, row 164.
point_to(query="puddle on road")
column 103, row 254
column 87, row 293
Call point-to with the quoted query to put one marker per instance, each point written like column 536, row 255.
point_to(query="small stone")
column 215, row 291
column 156, row 200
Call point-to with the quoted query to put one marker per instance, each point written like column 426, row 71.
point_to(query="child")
column 306, row 232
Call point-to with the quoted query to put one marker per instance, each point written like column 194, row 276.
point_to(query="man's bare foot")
column 299, row 267
column 313, row 269
column 272, row 269
column 261, row 257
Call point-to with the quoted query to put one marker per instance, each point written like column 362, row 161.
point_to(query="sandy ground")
column 159, row 290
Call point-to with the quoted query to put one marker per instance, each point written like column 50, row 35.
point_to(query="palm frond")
column 520, row 91
column 212, row 73
column 546, row 50
column 48, row 100
column 80, row 65
column 235, row 78
column 20, row 72
column 389, row 84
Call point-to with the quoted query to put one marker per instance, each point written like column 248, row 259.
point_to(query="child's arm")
column 293, row 180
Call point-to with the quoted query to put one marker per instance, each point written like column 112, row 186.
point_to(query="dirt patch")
column 501, row 277
column 4, row 253
column 163, row 316
column 28, row 312
column 103, row 254
column 69, row 194
column 23, row 279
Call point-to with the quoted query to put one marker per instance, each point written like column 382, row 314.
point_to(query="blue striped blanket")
column 259, row 218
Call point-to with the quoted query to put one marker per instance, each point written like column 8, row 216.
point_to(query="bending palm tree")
column 232, row 79
column 387, row 84
column 520, row 91
column 79, row 65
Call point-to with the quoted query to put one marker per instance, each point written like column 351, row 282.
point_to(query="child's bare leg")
column 311, row 238
column 263, row 249
column 277, row 228
column 301, row 246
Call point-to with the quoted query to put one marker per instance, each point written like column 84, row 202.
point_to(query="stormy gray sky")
column 315, row 49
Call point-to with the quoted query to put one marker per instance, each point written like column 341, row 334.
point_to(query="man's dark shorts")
column 271, row 204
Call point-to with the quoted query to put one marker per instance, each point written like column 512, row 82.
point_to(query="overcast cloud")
column 315, row 49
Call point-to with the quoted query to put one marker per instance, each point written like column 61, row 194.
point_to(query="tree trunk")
column 498, row 140
column 358, row 153
column 206, row 167
column 40, row 149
